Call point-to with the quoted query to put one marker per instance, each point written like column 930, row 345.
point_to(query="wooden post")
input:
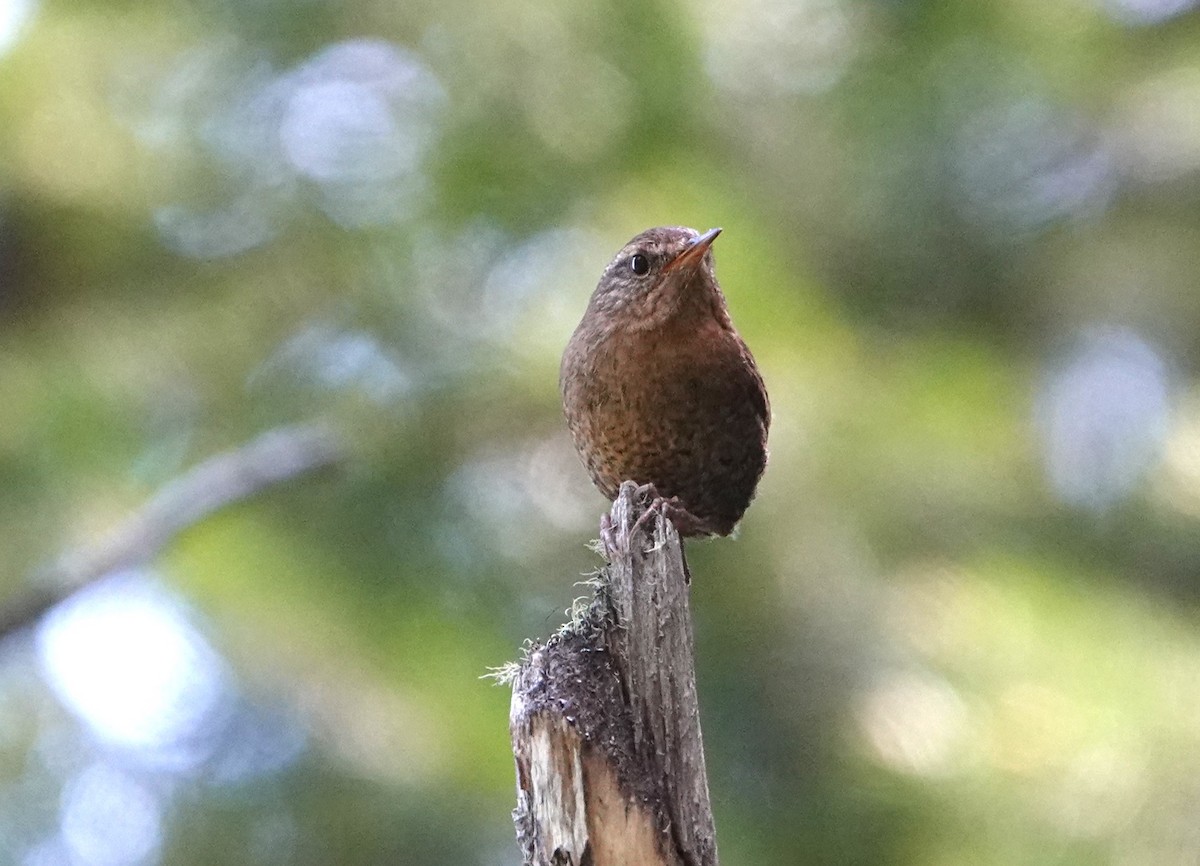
column 605, row 723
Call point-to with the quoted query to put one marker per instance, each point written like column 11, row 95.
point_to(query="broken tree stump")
column 605, row 722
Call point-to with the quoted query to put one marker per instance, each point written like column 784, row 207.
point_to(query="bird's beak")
column 694, row 252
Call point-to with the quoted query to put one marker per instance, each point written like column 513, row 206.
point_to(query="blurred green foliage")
column 958, row 626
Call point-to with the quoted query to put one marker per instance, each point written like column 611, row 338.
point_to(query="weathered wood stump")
column 605, row 722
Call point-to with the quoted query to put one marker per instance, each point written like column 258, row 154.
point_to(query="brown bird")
column 659, row 388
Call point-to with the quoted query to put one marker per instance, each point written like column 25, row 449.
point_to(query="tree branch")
column 272, row 458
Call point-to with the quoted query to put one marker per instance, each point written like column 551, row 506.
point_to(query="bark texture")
column 605, row 721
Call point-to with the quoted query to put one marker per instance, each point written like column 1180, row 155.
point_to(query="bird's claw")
column 672, row 508
column 684, row 521
column 608, row 539
column 645, row 516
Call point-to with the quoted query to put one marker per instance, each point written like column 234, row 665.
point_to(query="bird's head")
column 658, row 274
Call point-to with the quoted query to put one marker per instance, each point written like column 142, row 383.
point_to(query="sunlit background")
column 961, row 624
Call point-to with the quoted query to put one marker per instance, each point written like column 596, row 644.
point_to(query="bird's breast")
column 676, row 411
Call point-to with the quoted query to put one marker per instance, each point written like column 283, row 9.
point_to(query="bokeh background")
column 961, row 622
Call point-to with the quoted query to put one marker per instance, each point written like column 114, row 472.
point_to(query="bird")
column 659, row 388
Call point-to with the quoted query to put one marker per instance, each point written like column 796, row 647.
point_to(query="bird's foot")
column 647, row 493
column 608, row 539
column 684, row 521
column 672, row 508
column 686, row 524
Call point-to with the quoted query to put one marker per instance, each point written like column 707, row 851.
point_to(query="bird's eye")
column 639, row 264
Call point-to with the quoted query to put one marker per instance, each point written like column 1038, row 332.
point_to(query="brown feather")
column 659, row 388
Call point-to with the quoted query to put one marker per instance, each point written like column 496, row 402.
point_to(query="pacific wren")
column 659, row 388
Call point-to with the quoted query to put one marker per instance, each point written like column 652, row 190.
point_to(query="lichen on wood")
column 605, row 721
